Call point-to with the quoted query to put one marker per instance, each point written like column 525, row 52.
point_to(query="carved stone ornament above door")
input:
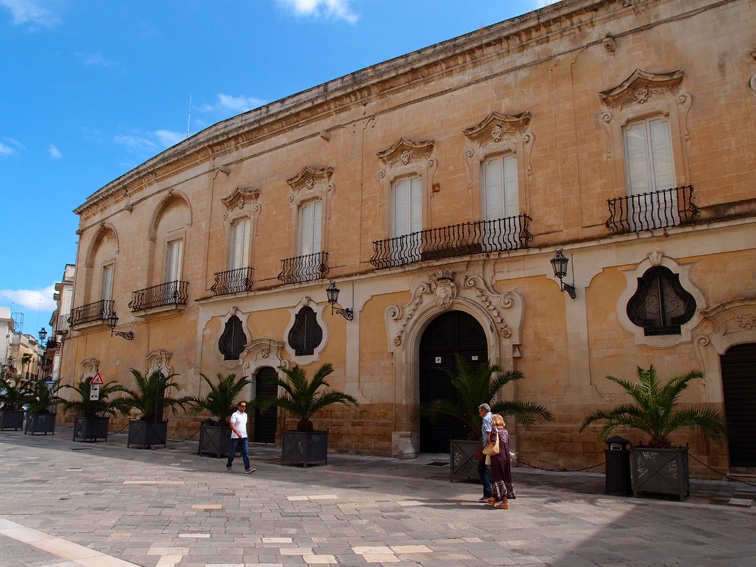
column 499, row 314
column 158, row 358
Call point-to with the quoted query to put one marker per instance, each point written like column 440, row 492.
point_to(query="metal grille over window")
column 233, row 340
column 305, row 335
column 660, row 305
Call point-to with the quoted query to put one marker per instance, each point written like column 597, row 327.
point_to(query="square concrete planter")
column 462, row 461
column 90, row 429
column 40, row 423
column 304, row 448
column 214, row 440
column 145, row 434
column 660, row 471
column 11, row 419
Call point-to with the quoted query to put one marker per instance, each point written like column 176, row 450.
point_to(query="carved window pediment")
column 240, row 198
column 405, row 151
column 497, row 126
column 311, row 179
column 639, row 87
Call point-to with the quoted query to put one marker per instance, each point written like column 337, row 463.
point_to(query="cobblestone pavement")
column 66, row 504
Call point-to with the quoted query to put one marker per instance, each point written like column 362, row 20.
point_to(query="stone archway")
column 499, row 315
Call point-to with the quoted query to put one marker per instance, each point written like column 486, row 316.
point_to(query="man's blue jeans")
column 243, row 444
column 485, row 479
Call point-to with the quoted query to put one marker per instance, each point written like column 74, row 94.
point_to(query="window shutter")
column 107, row 283
column 636, row 159
column 661, row 151
column 492, row 205
column 239, row 250
column 173, row 260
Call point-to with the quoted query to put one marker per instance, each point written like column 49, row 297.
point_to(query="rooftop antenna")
column 189, row 120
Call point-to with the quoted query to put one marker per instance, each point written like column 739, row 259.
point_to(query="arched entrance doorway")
column 739, row 385
column 449, row 333
column 265, row 422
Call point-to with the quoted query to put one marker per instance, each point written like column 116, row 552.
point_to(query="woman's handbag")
column 479, row 455
column 492, row 448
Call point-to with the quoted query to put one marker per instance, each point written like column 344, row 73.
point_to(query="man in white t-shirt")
column 239, row 440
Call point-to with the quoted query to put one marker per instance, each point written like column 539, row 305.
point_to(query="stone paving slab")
column 170, row 507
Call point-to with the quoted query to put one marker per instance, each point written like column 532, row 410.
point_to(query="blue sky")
column 91, row 89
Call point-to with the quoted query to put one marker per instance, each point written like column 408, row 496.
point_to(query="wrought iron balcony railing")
column 497, row 235
column 169, row 293
column 91, row 312
column 232, row 281
column 304, row 268
column 52, row 344
column 649, row 211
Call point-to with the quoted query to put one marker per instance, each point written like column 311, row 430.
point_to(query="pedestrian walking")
column 484, row 410
column 502, row 486
column 239, row 439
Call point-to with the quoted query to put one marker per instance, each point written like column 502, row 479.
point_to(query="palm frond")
column 654, row 410
column 302, row 397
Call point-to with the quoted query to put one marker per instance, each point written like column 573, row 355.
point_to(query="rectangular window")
column 650, row 172
column 239, row 245
column 106, row 292
column 648, row 156
column 310, row 224
column 406, row 221
column 173, row 260
column 501, row 199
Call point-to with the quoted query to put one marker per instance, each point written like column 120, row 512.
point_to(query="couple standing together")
column 239, row 439
column 498, row 487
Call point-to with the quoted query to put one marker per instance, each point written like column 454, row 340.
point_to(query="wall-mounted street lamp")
column 112, row 322
column 333, row 296
column 559, row 263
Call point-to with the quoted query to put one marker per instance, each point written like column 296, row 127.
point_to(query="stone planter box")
column 462, row 461
column 11, row 419
column 304, row 448
column 90, row 429
column 214, row 440
column 660, row 471
column 40, row 423
column 145, row 434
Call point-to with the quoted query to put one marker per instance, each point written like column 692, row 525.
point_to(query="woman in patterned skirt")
column 502, row 487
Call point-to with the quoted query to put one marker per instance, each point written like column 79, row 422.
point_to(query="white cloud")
column 136, row 142
column 5, row 150
column 54, row 152
column 95, row 59
column 168, row 138
column 33, row 300
column 234, row 104
column 338, row 9
column 31, row 12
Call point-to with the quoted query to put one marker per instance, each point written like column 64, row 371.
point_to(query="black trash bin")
column 618, row 467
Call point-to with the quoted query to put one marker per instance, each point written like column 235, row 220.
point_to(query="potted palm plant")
column 41, row 415
column 93, row 416
column 476, row 386
column 150, row 399
column 14, row 394
column 220, row 402
column 659, row 467
column 303, row 398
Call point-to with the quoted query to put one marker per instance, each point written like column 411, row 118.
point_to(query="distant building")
column 434, row 190
column 59, row 320
column 6, row 331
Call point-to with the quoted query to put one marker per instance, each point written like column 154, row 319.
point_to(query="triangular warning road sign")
column 96, row 380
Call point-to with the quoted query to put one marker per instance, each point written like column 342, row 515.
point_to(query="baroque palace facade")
column 434, row 190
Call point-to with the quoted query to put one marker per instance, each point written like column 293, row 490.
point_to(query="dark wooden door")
column 739, row 384
column 265, row 423
column 452, row 332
